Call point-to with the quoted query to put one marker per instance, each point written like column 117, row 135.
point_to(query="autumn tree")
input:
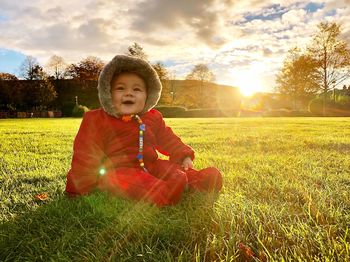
column 87, row 69
column 136, row 50
column 201, row 73
column 7, row 76
column 56, row 67
column 163, row 75
column 161, row 71
column 297, row 79
column 10, row 95
column 332, row 57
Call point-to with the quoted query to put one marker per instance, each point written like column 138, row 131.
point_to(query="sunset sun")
column 248, row 83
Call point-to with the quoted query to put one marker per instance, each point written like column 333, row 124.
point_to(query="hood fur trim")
column 123, row 63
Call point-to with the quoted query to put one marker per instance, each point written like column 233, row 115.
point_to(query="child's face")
column 129, row 93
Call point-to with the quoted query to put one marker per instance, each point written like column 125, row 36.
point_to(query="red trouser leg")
column 207, row 179
column 133, row 183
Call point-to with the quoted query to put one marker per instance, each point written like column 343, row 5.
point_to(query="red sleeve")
column 170, row 144
column 88, row 153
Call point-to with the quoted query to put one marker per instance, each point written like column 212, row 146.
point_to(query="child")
column 116, row 147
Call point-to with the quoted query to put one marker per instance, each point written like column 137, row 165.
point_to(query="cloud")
column 342, row 14
column 202, row 18
column 62, row 29
column 294, row 16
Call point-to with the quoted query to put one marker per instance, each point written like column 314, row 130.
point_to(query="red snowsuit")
column 108, row 143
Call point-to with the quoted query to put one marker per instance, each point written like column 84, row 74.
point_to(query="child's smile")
column 128, row 102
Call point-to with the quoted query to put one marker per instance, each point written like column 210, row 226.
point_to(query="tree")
column 163, row 75
column 38, row 94
column 31, row 70
column 201, row 73
column 10, row 92
column 56, row 67
column 332, row 57
column 137, row 51
column 7, row 76
column 35, row 94
column 161, row 71
column 298, row 77
column 38, row 73
column 87, row 69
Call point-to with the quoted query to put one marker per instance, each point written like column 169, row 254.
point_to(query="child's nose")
column 129, row 92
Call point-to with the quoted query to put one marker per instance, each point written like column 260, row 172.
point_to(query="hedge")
column 287, row 113
column 333, row 108
column 176, row 111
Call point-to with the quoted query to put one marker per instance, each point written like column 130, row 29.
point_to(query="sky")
column 243, row 43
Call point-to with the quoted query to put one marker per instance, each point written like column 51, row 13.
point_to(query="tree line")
column 41, row 87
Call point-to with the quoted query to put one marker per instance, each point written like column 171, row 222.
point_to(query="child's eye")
column 137, row 89
column 119, row 88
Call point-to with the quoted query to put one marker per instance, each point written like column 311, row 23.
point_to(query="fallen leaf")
column 42, row 197
column 262, row 256
column 247, row 251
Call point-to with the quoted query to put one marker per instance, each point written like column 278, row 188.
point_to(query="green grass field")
column 286, row 196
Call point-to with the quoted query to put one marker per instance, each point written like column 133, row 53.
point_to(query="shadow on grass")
column 102, row 228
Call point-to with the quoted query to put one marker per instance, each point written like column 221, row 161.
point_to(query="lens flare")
column 102, row 171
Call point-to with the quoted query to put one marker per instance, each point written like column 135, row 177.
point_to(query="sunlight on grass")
column 285, row 196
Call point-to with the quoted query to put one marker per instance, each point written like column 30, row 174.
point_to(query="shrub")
column 171, row 111
column 341, row 107
column 79, row 110
column 287, row 113
column 343, row 102
column 67, row 109
column 301, row 113
column 211, row 113
column 249, row 113
column 176, row 111
column 282, row 112
column 316, row 106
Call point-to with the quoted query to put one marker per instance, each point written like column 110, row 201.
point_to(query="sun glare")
column 248, row 84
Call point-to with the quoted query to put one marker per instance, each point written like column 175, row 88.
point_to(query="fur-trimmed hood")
column 123, row 63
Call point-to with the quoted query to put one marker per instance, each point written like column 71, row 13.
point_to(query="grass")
column 286, row 196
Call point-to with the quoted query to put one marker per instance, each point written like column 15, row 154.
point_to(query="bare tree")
column 56, row 67
column 31, row 70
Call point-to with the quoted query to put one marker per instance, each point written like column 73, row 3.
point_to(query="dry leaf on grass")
column 42, row 197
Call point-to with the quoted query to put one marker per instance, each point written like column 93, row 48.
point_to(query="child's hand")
column 187, row 163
